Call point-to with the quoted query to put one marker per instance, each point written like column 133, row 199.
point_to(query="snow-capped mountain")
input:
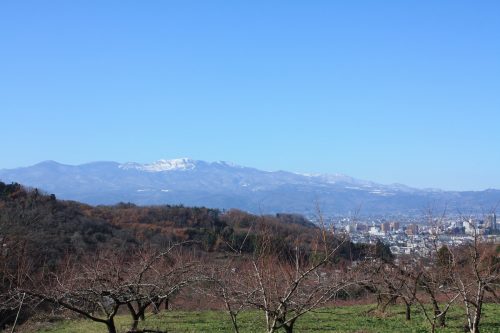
column 162, row 165
column 226, row 185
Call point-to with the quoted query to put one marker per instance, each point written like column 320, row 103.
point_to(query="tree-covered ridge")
column 51, row 228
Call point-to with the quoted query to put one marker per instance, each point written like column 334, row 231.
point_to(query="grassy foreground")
column 340, row 319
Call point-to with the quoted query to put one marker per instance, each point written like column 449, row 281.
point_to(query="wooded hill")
column 48, row 228
column 94, row 261
column 38, row 232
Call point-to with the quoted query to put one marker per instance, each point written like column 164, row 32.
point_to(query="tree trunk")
column 289, row 328
column 379, row 301
column 234, row 321
column 111, row 326
column 156, row 306
column 475, row 322
column 384, row 301
column 135, row 317
column 441, row 317
column 479, row 308
column 408, row 311
column 381, row 304
column 135, row 323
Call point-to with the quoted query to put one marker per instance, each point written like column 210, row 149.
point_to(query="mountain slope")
column 225, row 185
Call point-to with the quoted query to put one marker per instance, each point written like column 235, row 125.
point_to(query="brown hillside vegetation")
column 96, row 261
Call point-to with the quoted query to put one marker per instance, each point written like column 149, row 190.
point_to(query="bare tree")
column 432, row 276
column 475, row 272
column 96, row 286
column 16, row 265
column 288, row 289
column 433, row 282
column 90, row 286
column 392, row 281
column 228, row 280
column 154, row 277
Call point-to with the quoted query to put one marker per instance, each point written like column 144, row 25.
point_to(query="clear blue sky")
column 390, row 91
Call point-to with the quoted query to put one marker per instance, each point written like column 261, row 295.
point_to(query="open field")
column 341, row 319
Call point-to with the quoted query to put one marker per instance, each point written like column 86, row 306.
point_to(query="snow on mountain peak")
column 228, row 164
column 162, row 165
column 329, row 177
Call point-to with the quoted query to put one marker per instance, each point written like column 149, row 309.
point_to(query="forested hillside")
column 95, row 261
column 38, row 232
column 50, row 228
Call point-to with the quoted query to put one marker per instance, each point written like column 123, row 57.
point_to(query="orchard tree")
column 475, row 271
column 154, row 277
column 229, row 280
column 287, row 288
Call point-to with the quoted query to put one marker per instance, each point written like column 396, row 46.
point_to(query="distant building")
column 394, row 226
column 470, row 227
column 350, row 228
column 491, row 222
column 360, row 227
column 457, row 227
column 385, row 227
column 474, row 227
column 411, row 229
column 375, row 231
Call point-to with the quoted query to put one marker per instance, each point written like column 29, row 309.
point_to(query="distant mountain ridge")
column 226, row 185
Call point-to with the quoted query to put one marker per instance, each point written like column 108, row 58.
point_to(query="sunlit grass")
column 340, row 319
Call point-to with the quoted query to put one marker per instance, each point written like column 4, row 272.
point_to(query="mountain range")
column 225, row 185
